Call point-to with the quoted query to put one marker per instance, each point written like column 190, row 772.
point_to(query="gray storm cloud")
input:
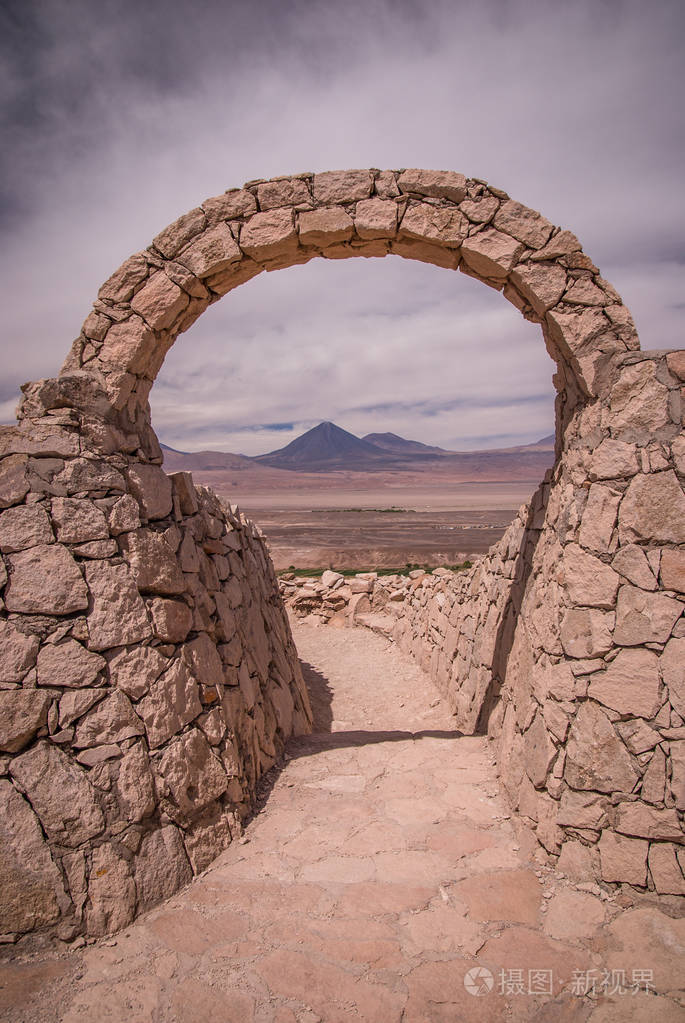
column 116, row 117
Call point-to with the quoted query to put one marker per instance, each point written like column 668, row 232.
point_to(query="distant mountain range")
column 328, row 448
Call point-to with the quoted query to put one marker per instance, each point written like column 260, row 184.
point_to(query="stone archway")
column 434, row 216
column 150, row 676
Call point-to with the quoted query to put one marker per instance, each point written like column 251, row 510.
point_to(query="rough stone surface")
column 630, row 684
column 151, row 486
column 595, row 756
column 653, row 510
column 69, row 664
column 153, row 563
column 161, row 866
column 60, row 794
column 31, row 883
column 24, row 526
column 45, row 580
column 672, row 665
column 117, row 614
column 111, row 721
column 623, row 859
column 22, row 713
column 17, row 652
column 192, row 773
column 172, row 702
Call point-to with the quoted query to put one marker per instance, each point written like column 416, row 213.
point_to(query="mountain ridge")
column 329, row 448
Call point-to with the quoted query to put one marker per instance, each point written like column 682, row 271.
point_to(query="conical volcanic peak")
column 325, row 446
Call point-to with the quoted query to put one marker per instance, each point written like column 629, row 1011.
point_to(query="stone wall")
column 148, row 674
column 567, row 641
column 147, row 680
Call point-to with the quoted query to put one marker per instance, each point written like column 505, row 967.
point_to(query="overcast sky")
column 118, row 116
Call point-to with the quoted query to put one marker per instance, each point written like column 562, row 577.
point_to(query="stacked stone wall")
column 148, row 679
column 567, row 641
column 147, row 672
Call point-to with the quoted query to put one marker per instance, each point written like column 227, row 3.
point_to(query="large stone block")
column 111, row 892
column 212, row 252
column 433, row 183
column 524, row 224
column 134, row 786
column 643, row 617
column 672, row 570
column 677, row 755
column 613, row 459
column 237, row 202
column 112, row 720
column 542, row 285
column 74, row 704
column 595, row 756
column 539, row 751
column 193, row 775
column 599, row 518
column 17, row 652
column 130, row 347
column 172, row 620
column 665, row 869
column 653, row 509
column 172, row 702
column 588, row 581
column 583, row 810
column 121, row 285
column 268, row 235
column 69, row 664
column 376, row 218
column 203, row 660
column 174, row 237
column 586, row 632
column 623, row 859
column 424, row 222
column 117, row 613
column 14, row 484
column 638, row 401
column 78, row 520
column 672, row 665
column 30, row 884
column 342, row 186
column 630, row 685
column 151, row 486
column 491, row 253
column 161, row 866
column 160, row 302
column 325, row 226
column 60, row 793
column 22, row 713
column 45, row 580
column 133, row 671
column 631, row 562
column 154, row 565
column 648, row 822
column 24, row 526
column 283, row 192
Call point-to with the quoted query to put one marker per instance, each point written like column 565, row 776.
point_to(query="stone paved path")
column 382, row 868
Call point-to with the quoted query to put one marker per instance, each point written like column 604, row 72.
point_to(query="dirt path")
column 382, row 870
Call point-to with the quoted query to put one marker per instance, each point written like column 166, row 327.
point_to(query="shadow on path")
column 320, row 697
column 308, row 745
